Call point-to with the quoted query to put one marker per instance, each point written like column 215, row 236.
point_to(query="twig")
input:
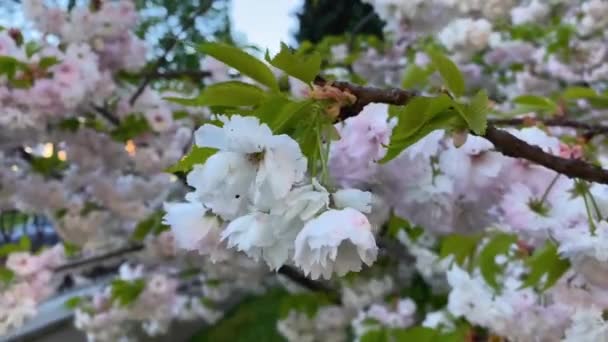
column 503, row 141
column 316, row 286
column 98, row 258
column 162, row 60
column 597, row 128
column 107, row 115
column 192, row 74
column 512, row 146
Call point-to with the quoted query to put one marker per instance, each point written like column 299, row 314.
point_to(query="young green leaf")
column 304, row 68
column 241, row 61
column 153, row 224
column 225, row 94
column 132, row 126
column 47, row 62
column 308, row 303
column 6, row 275
column 534, row 102
column 574, row 93
column 545, row 262
column 475, row 113
column 73, row 302
column 126, row 292
column 414, row 76
column 448, row 71
column 461, row 247
column 198, row 155
column 444, row 119
column 498, row 245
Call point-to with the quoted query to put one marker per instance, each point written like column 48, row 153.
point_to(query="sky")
column 265, row 23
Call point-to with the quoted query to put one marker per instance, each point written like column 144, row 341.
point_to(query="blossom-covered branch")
column 503, row 141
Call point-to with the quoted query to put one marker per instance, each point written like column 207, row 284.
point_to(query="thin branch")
column 503, row 141
column 512, row 146
column 559, row 122
column 107, row 115
column 162, row 60
column 316, row 286
column 101, row 257
column 192, row 74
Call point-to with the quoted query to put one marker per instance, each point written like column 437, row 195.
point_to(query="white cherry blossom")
column 337, row 241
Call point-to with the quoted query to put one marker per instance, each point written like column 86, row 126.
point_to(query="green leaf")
column 380, row 335
column 73, row 302
column 31, row 48
column 6, row 275
column 444, row 119
column 304, row 68
column 180, row 114
column 9, row 66
column 397, row 224
column 498, row 245
column 71, row 249
column 152, row 224
column 47, row 166
column 448, row 71
column 461, row 247
column 70, row 125
column 534, row 102
column 24, row 243
column 573, row 93
column 253, row 319
column 414, row 76
column 476, row 113
column 225, row 94
column 126, row 292
column 418, row 334
column 47, row 62
column 198, row 155
column 545, row 262
column 270, row 106
column 241, row 61
column 132, row 126
column 308, row 303
column 418, row 118
column 290, row 115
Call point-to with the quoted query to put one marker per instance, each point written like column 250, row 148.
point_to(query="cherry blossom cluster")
column 30, row 282
column 253, row 195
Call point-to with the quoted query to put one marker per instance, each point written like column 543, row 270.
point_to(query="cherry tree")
column 445, row 183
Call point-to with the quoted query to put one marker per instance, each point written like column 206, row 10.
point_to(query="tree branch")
column 503, row 141
column 107, row 115
column 367, row 95
column 512, row 146
column 101, row 257
column 559, row 122
column 192, row 74
column 312, row 285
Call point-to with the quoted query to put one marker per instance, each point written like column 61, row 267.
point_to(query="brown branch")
column 107, row 115
column 367, row 95
column 312, row 285
column 503, row 141
column 558, row 122
column 192, row 74
column 101, row 257
column 512, row 146
column 162, row 60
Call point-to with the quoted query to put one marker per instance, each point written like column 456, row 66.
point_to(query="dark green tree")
column 320, row 18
